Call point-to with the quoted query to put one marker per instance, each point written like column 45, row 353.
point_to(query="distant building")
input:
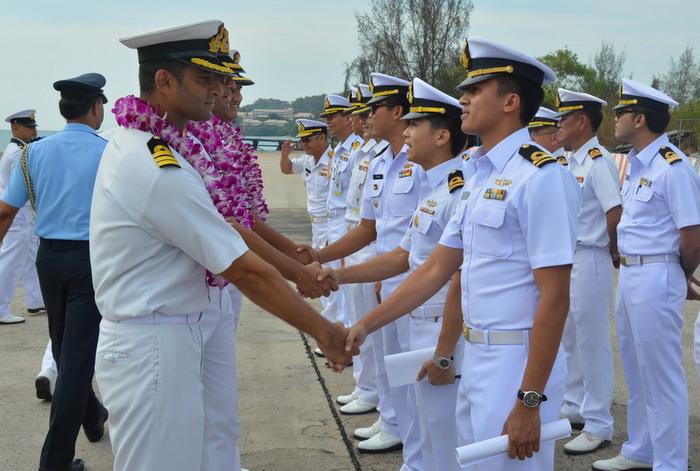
column 251, row 122
column 304, row 116
column 287, row 113
column 275, row 122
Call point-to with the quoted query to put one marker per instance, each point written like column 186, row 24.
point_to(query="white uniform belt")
column 160, row 318
column 430, row 313
column 634, row 260
column 317, row 219
column 496, row 337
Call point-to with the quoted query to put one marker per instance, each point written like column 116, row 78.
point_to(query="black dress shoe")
column 39, row 310
column 77, row 465
column 95, row 434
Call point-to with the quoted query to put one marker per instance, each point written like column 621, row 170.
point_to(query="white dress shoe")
column 585, row 443
column 620, row 463
column 368, row 432
column 357, row 407
column 319, row 353
column 383, row 442
column 346, row 398
column 11, row 319
column 45, row 383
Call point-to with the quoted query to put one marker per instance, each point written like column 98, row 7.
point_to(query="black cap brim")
column 473, row 80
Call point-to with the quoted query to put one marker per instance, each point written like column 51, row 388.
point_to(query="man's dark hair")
column 530, row 93
column 398, row 100
column 594, row 116
column 657, row 120
column 454, row 126
column 76, row 105
column 147, row 73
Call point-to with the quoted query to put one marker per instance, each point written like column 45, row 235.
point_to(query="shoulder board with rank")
column 594, row 153
column 535, row 155
column 466, row 155
column 162, row 155
column 562, row 161
column 19, row 143
column 356, row 145
column 455, row 180
column 669, row 155
column 331, row 153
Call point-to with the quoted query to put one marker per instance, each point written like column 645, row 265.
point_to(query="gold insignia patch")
column 594, row 153
column 427, row 211
column 326, row 103
column 431, row 203
column 464, row 56
column 356, row 144
column 466, row 155
column 407, row 172
column 644, row 182
column 495, row 194
column 669, row 155
column 219, row 42
column 331, row 153
column 503, row 181
column 409, row 95
column 537, row 156
column 162, row 155
column 562, row 160
column 455, row 180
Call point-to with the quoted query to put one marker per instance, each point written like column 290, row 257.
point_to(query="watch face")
column 531, row 399
column 444, row 363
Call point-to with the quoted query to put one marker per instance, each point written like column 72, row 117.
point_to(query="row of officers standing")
column 497, row 253
column 474, row 252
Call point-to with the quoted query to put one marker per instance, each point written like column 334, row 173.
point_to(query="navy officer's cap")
column 83, row 86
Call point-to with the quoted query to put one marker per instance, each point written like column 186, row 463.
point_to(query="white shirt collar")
column 581, row 154
column 437, row 174
column 648, row 153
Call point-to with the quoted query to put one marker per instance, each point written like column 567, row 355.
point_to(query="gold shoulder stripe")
column 594, row 153
column 538, row 157
column 162, row 155
column 669, row 155
column 455, row 180
column 562, row 160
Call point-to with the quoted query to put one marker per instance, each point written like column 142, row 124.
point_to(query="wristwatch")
column 531, row 399
column 443, row 363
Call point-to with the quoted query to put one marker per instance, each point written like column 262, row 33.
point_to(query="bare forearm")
column 7, row 215
column 285, row 164
column 274, row 237
column 350, row 243
column 452, row 320
column 416, row 289
column 263, row 285
column 690, row 249
column 547, row 329
column 287, row 266
column 378, row 268
column 613, row 219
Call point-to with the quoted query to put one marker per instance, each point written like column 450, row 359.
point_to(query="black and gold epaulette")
column 455, row 180
column 162, row 155
column 562, row 161
column 537, row 156
column 669, row 155
column 594, row 153
column 19, row 143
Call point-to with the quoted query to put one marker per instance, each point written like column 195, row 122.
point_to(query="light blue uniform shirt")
column 63, row 167
column 658, row 199
column 513, row 218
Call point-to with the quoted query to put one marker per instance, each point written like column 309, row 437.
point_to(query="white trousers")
column 170, row 390
column 18, row 262
column 435, row 405
column 335, row 308
column 488, row 390
column 396, row 339
column 47, row 362
column 649, row 309
column 586, row 341
column 361, row 298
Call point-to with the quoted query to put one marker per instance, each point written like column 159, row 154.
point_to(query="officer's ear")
column 165, row 81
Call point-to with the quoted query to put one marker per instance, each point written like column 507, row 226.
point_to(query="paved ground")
column 287, row 408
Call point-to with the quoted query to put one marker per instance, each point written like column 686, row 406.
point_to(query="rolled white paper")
column 402, row 368
column 475, row 453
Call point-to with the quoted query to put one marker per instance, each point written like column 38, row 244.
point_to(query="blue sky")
column 294, row 49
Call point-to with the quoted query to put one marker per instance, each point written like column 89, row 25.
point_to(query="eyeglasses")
column 623, row 111
column 375, row 106
column 309, row 138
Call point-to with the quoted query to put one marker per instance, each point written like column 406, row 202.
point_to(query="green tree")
column 411, row 38
column 309, row 104
column 682, row 81
column 571, row 73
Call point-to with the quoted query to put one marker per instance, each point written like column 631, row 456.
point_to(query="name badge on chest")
column 495, row 194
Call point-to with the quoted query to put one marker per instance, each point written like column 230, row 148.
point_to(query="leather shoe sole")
column 43, row 388
column 603, row 444
column 396, row 447
column 77, row 465
column 96, row 434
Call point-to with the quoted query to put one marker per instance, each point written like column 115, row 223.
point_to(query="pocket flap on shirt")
column 643, row 194
column 489, row 216
column 403, row 185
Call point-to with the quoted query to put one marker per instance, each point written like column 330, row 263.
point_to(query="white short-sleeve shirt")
column 432, row 215
column 596, row 173
column 358, row 177
column 316, row 177
column 658, row 199
column 153, row 233
column 341, row 170
column 512, row 219
column 390, row 196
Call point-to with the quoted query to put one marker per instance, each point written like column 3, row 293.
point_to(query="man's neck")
column 578, row 141
column 343, row 136
column 496, row 134
column 179, row 122
column 86, row 122
column 643, row 139
column 320, row 154
column 396, row 139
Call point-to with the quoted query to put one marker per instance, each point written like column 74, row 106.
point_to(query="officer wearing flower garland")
column 659, row 242
column 149, row 200
column 514, row 235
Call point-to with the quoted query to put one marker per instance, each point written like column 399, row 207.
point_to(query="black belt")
column 65, row 244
